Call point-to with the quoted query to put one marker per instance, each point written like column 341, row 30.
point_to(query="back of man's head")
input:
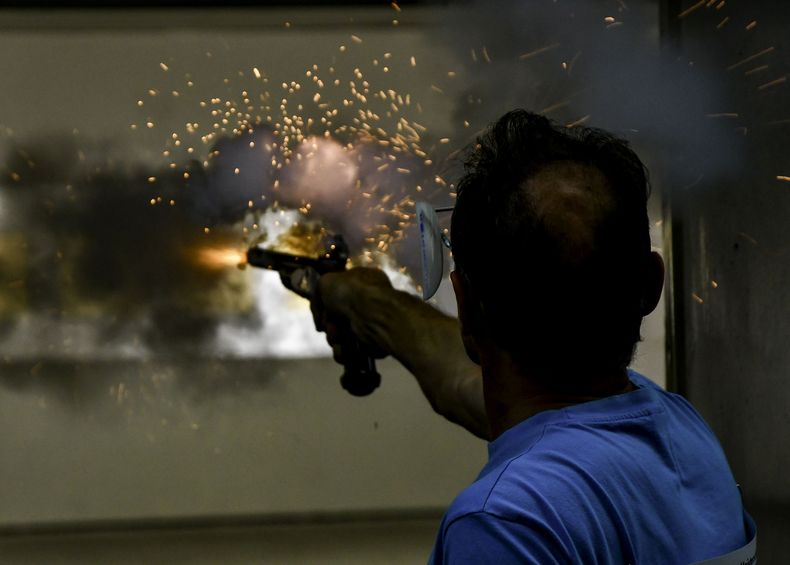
column 551, row 231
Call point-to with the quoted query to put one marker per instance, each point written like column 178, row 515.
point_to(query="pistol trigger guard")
column 303, row 282
column 286, row 280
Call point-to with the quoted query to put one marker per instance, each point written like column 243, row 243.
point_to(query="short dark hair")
column 563, row 312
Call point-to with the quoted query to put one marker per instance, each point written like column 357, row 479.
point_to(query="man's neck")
column 511, row 396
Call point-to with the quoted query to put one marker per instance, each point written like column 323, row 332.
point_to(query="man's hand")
column 349, row 305
column 362, row 304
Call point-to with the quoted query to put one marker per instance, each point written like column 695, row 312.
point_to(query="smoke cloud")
column 107, row 245
column 594, row 63
column 99, row 252
column 105, row 258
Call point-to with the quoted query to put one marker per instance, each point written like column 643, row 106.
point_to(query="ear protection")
column 431, row 241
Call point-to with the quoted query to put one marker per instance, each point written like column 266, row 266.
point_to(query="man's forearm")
column 428, row 343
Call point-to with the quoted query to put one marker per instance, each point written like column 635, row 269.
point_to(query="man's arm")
column 427, row 342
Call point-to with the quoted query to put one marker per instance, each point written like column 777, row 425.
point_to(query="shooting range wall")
column 85, row 442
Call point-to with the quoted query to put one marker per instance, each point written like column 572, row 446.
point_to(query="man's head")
column 551, row 244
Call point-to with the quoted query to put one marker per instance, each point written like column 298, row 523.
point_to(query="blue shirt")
column 633, row 478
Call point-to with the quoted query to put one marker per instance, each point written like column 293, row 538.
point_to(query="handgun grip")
column 360, row 377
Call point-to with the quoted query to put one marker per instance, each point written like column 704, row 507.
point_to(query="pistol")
column 301, row 274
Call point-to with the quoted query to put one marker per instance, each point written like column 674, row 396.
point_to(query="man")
column 588, row 462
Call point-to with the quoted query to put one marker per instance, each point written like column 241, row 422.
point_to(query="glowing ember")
column 751, row 58
column 538, row 51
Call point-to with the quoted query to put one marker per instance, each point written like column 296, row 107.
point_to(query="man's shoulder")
column 503, row 491
column 484, row 524
column 574, row 455
column 605, row 476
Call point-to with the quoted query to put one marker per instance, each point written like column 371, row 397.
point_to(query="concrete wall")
column 731, row 246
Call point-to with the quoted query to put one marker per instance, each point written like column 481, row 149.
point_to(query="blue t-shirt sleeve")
column 482, row 537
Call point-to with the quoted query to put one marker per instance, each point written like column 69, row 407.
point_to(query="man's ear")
column 654, row 283
column 470, row 314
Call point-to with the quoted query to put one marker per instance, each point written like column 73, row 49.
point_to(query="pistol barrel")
column 287, row 263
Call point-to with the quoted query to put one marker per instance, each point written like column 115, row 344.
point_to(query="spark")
column 413, row 61
column 578, row 122
column 691, row 9
column 783, row 178
column 723, row 22
column 751, row 25
column 256, row 72
column 779, row 80
column 714, row 284
column 554, row 107
column 751, row 58
column 538, row 51
column 697, row 298
column 356, row 39
column 164, row 67
column 747, row 237
column 756, row 70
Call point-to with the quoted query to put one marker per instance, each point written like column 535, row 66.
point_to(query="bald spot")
column 571, row 200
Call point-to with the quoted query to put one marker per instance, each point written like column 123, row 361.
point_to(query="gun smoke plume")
column 108, row 255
